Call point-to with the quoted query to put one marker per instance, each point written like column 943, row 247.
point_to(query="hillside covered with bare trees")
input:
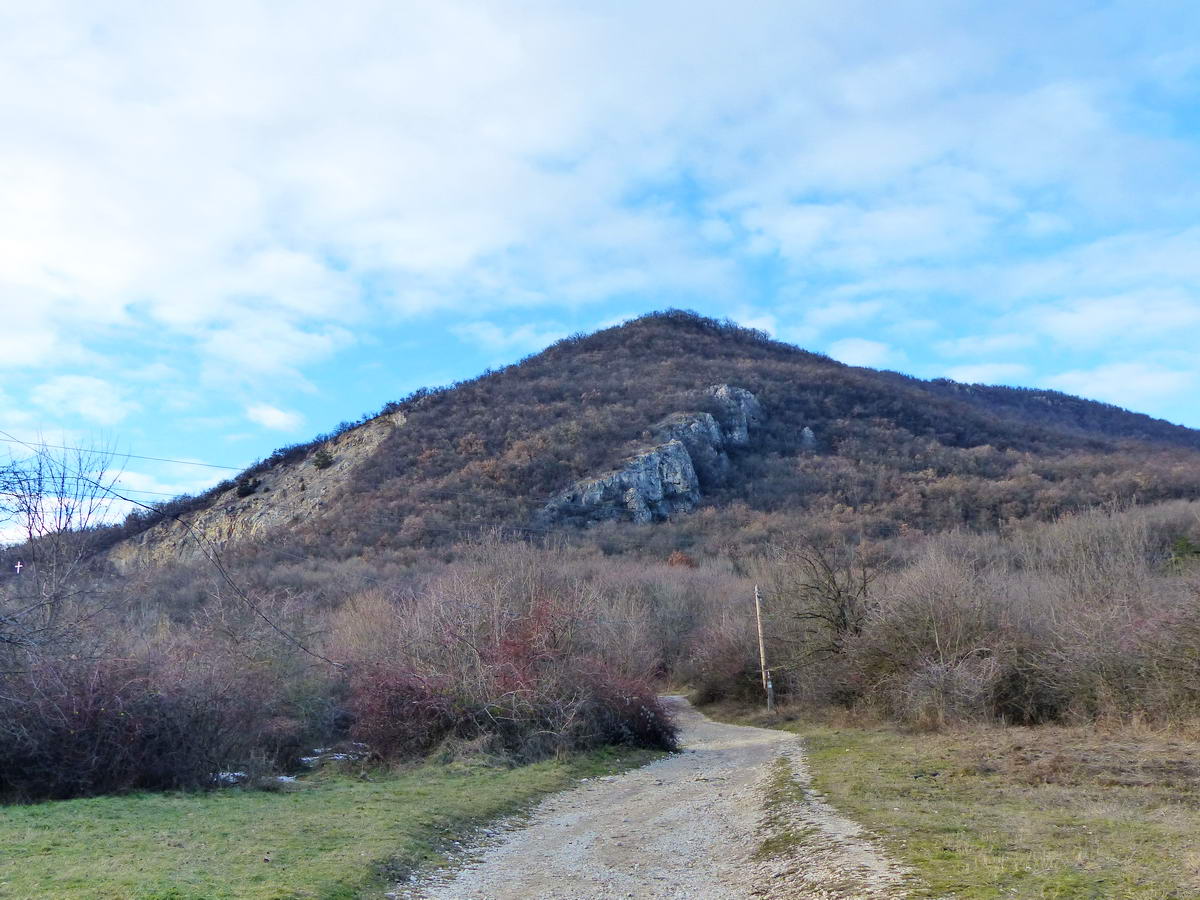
column 930, row 551
column 876, row 453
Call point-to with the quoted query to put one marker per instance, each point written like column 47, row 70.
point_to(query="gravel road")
column 684, row 827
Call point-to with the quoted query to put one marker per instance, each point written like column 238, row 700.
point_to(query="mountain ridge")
column 495, row 449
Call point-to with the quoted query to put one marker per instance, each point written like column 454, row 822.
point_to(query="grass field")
column 1019, row 812
column 328, row 837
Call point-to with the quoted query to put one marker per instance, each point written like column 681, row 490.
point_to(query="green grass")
column 990, row 813
column 783, row 791
column 333, row 838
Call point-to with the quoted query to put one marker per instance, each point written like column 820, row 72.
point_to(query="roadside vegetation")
column 987, row 812
column 527, row 650
column 1026, row 678
column 497, row 654
column 329, row 836
column 1015, row 715
column 1091, row 618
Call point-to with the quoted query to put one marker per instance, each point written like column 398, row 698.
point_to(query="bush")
column 620, row 710
column 1089, row 617
column 502, row 646
column 722, row 664
column 679, row 558
column 398, row 713
column 75, row 727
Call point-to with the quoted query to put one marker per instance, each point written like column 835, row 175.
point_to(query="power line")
column 128, row 490
column 155, row 493
column 125, row 489
column 185, row 462
column 208, row 549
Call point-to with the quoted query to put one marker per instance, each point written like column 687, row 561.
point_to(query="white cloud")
column 274, row 418
column 758, row 319
column 497, row 338
column 93, row 399
column 173, row 180
column 1135, row 260
column 988, row 373
column 853, row 236
column 425, row 138
column 816, row 320
column 175, row 480
column 842, row 312
column 614, row 321
column 30, row 338
column 983, row 344
column 1133, row 385
column 863, row 352
column 1148, row 314
column 256, row 345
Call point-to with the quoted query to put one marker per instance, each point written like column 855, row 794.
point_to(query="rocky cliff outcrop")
column 704, row 439
column 709, row 439
column 254, row 507
column 653, row 485
column 742, row 411
column 692, row 453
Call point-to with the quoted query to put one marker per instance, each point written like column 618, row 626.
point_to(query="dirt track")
column 684, row 827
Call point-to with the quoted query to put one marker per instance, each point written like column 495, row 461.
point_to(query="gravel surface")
column 684, row 827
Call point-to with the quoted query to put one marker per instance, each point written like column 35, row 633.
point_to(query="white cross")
column 19, row 566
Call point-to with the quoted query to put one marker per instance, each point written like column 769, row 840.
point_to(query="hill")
column 554, row 441
column 671, row 469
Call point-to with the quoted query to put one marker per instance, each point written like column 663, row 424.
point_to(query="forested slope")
column 897, row 452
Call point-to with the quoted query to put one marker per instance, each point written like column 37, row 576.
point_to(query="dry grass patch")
column 1048, row 812
column 1083, row 757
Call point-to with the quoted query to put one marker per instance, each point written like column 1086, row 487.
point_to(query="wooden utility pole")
column 762, row 653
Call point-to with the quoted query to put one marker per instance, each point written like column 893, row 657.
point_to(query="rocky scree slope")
column 282, row 497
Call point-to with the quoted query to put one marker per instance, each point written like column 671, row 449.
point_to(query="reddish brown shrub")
column 399, row 713
column 71, row 727
column 625, row 710
column 533, row 656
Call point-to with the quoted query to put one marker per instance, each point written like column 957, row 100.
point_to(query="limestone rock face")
column 704, row 439
column 652, row 485
column 692, row 453
column 742, row 412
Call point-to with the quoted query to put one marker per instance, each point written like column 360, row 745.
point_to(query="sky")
column 228, row 226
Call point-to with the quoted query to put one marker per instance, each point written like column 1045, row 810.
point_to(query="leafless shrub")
column 935, row 693
column 1085, row 618
column 503, row 644
column 70, row 727
column 722, row 663
column 53, row 501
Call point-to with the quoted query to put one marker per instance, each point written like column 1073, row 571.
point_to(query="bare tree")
column 822, row 591
column 50, row 507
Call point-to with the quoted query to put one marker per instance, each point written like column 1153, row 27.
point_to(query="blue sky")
column 227, row 226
